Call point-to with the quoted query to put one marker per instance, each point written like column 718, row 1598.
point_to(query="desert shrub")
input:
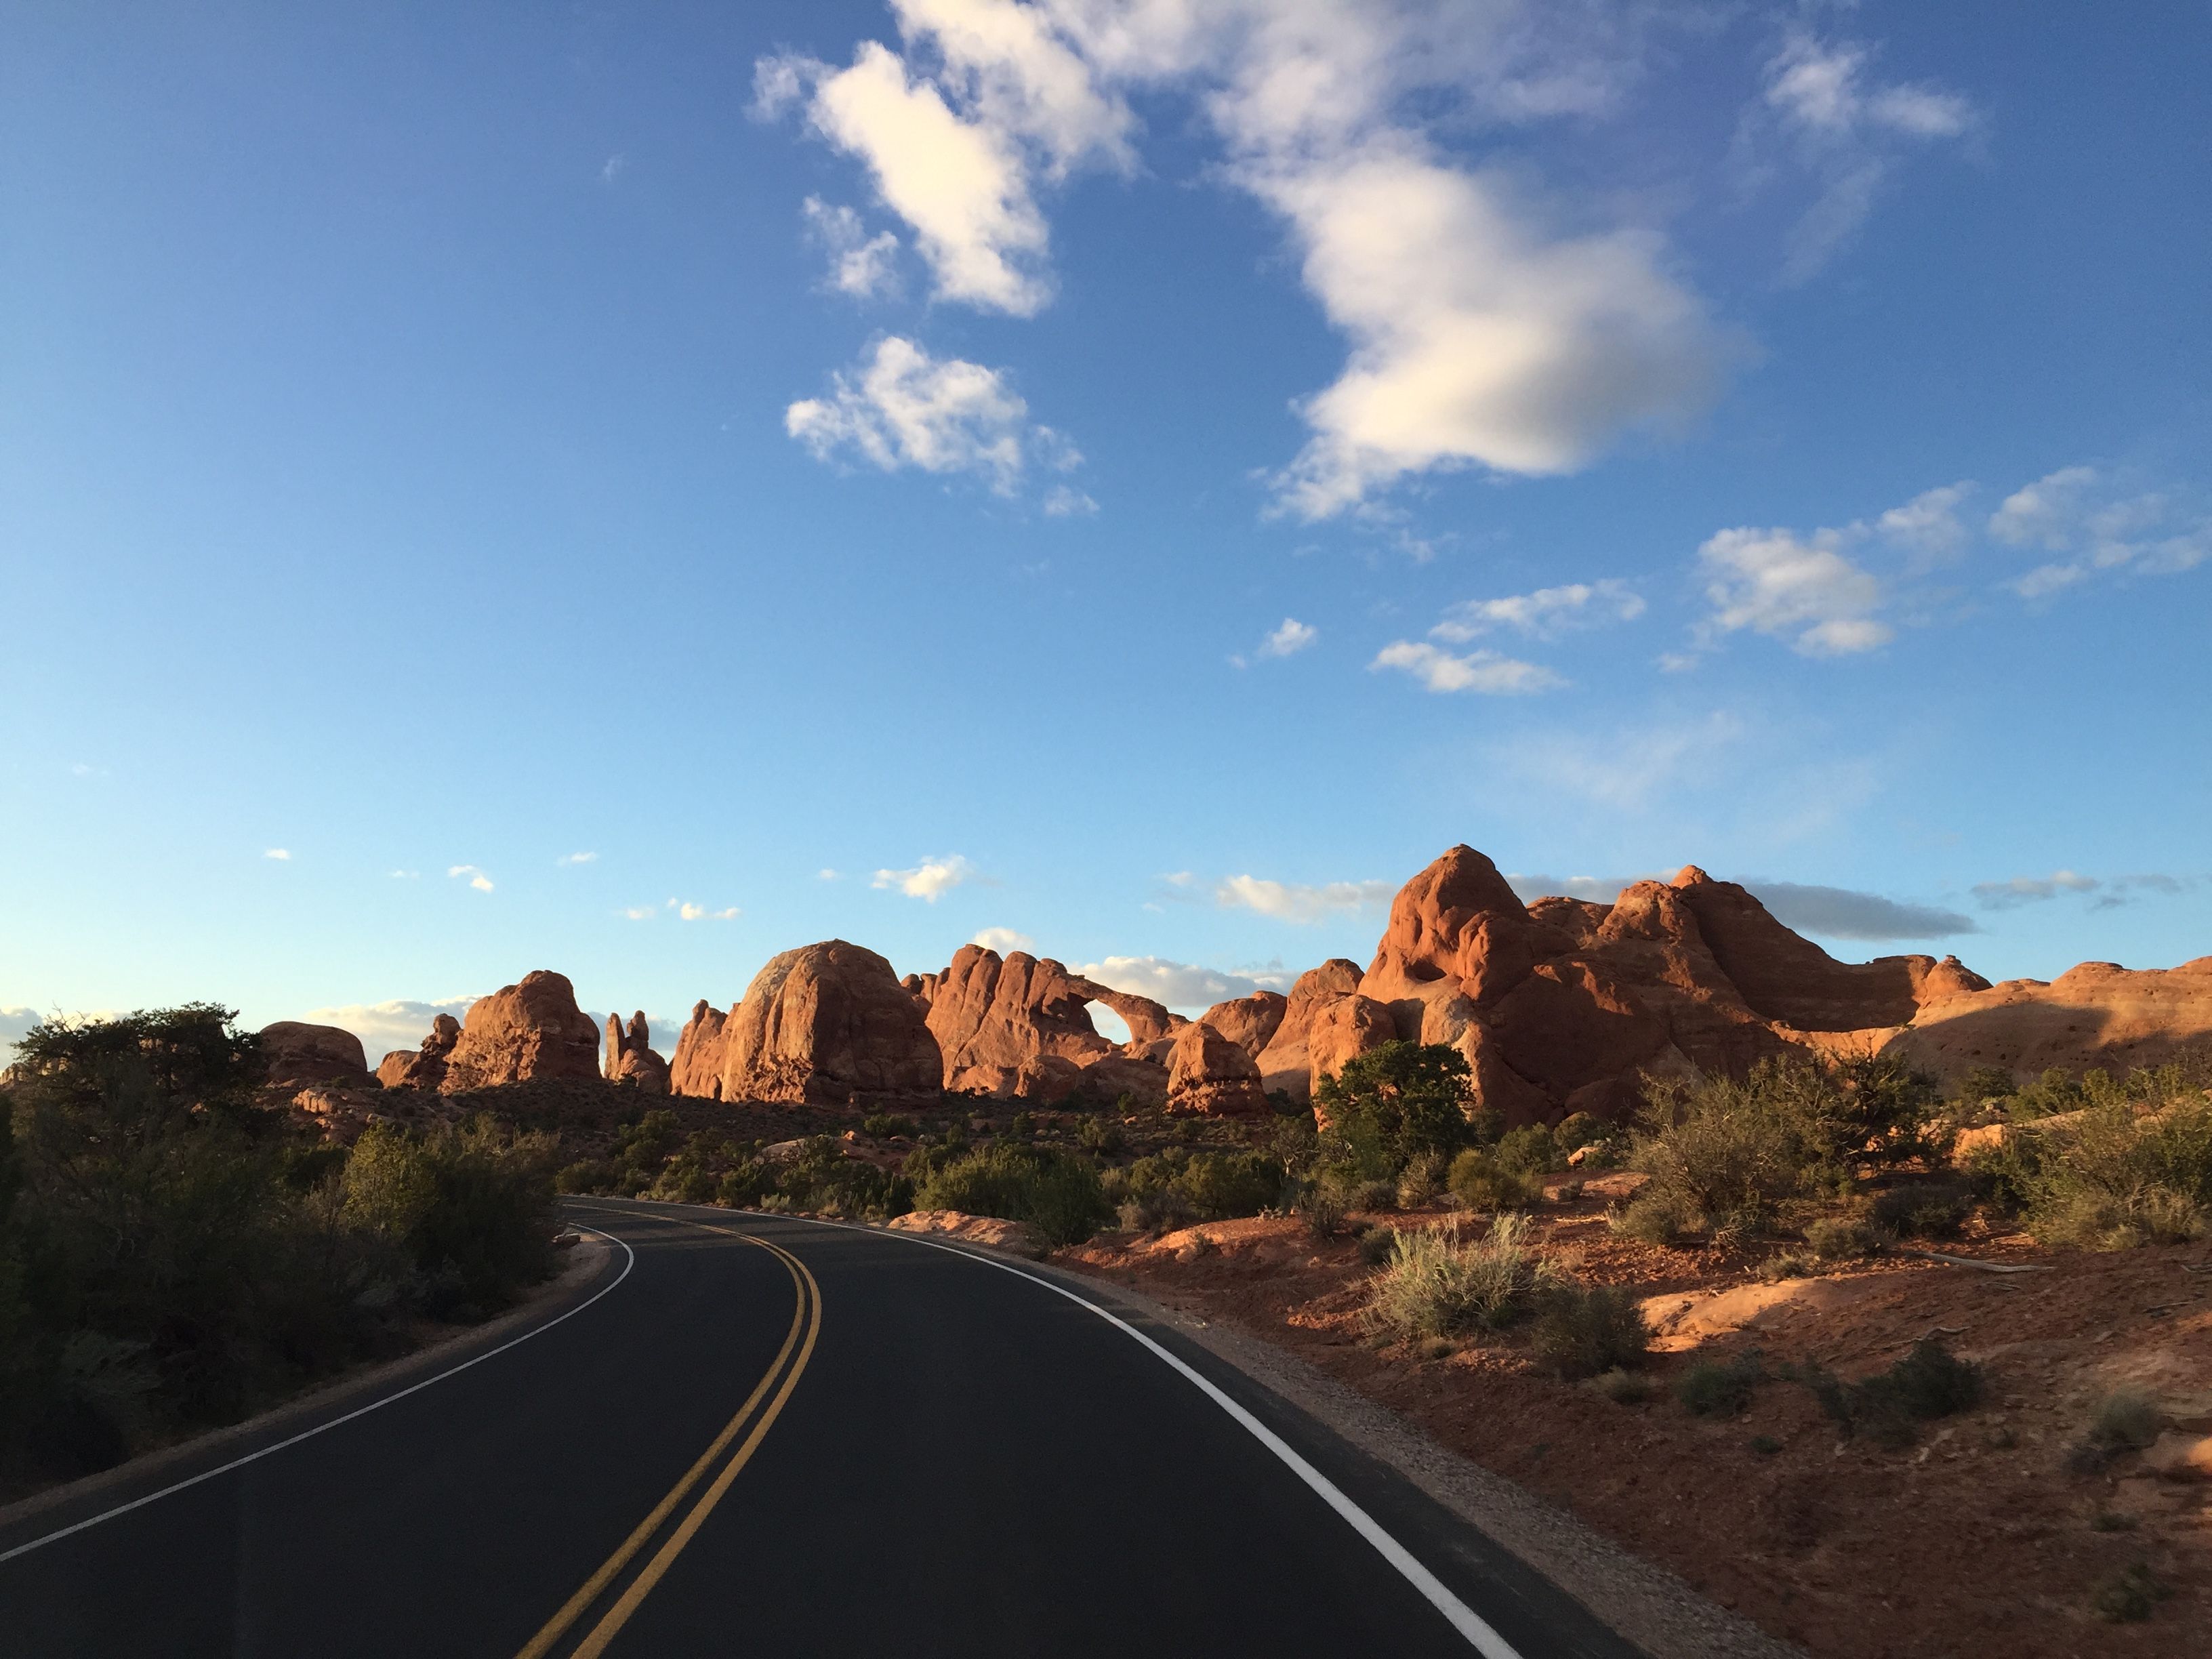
column 1841, row 1237
column 1529, row 1150
column 1377, row 1244
column 1789, row 1264
column 1623, row 1388
column 471, row 1204
column 1394, row 1104
column 1721, row 1388
column 1162, row 1210
column 1655, row 1218
column 1587, row 1330
column 1222, row 1186
column 2126, row 1419
column 1983, row 1083
column 883, row 1126
column 1421, row 1180
column 1294, row 1141
column 1101, row 1135
column 2134, row 1167
column 1922, row 1209
column 1476, row 1180
column 585, row 1175
column 1058, row 1193
column 1888, row 1407
column 743, row 1184
column 2128, row 1597
column 1577, row 1130
column 821, row 1178
column 1435, row 1286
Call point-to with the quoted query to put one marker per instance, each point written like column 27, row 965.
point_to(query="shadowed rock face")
column 829, row 1024
column 533, row 1029
column 300, row 1053
column 1249, row 1022
column 1209, row 1074
column 423, row 1067
column 698, row 1067
column 1290, row 1063
column 2097, row 1013
column 629, row 1054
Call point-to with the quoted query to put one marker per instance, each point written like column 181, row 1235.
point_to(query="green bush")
column 1587, row 1330
column 2128, row 1595
column 1721, row 1388
column 883, row 1126
column 2134, row 1168
column 1476, row 1180
column 1842, row 1237
column 1101, row 1135
column 1433, row 1286
column 1529, row 1150
column 1922, row 1209
column 1394, row 1104
column 1222, row 1186
column 471, row 1205
column 1983, row 1084
column 1059, row 1195
column 819, row 1177
column 1421, row 1180
column 1888, row 1407
column 1657, row 1216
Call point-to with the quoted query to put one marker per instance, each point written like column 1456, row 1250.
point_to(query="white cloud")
column 1477, row 337
column 900, row 407
column 2046, row 513
column 861, row 265
column 1180, row 985
column 1545, row 614
column 1623, row 770
column 611, row 168
column 383, row 1027
column 1596, row 889
column 1487, row 672
column 961, row 185
column 567, row 860
column 1003, row 940
column 406, row 875
column 477, row 879
column 1846, row 912
column 279, row 854
column 825, row 875
column 2100, row 526
column 1286, row 640
column 1064, row 501
column 1929, row 524
column 690, row 912
column 641, row 912
column 1848, row 133
column 1774, row 583
column 1292, row 901
column 931, row 879
column 2032, row 889
column 1480, row 333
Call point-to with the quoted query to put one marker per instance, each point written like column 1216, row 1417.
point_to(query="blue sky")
column 1145, row 478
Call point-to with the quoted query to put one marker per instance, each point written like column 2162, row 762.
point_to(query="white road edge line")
column 309, row 1434
column 1468, row 1623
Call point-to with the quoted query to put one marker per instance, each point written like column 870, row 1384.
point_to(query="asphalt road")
column 773, row 1437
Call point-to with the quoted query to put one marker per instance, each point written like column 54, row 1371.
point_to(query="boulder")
column 2095, row 1014
column 423, row 1067
column 1016, row 1238
column 829, row 1024
column 630, row 1055
column 1285, row 1066
column 531, row 1029
column 700, row 1053
column 1209, row 1074
column 1249, row 1022
column 300, row 1053
column 1343, row 1028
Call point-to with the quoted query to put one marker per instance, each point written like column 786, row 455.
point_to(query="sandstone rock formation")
column 533, row 1029
column 698, row 1067
column 1325, row 1000
column 1019, row 1025
column 829, row 1024
column 1249, row 1022
column 300, row 1053
column 629, row 1054
column 2095, row 1014
column 1208, row 1073
column 423, row 1067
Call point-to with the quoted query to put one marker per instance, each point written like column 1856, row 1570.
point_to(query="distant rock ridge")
column 300, row 1054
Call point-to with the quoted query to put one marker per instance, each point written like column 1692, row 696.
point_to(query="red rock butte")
column 1559, row 1005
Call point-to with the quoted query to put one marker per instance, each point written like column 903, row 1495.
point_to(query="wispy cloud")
column 1545, row 614
column 2102, row 526
column 900, row 407
column 861, row 265
column 1289, row 638
column 1180, row 985
column 1806, row 592
column 383, row 1027
column 477, row 879
column 567, row 859
column 281, row 855
column 930, row 880
column 2105, row 893
column 1846, row 912
column 688, row 911
column 1293, row 902
column 1003, row 940
column 1488, row 673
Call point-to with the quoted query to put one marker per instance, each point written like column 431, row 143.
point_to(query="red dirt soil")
column 1977, row 1539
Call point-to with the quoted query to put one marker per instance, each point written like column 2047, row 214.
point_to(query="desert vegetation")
column 174, row 1253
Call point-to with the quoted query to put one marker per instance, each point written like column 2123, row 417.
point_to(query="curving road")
column 770, row 1436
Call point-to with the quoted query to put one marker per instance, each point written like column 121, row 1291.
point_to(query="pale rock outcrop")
column 630, row 1057
column 531, row 1029
column 1250, row 1022
column 829, row 1024
column 423, row 1067
column 300, row 1053
column 2095, row 1014
column 1209, row 1074
column 1016, row 1238
column 1285, row 1065
column 700, row 1053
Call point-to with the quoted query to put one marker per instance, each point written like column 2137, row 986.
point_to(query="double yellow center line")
column 806, row 1325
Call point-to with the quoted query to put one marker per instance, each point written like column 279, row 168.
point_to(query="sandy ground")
column 1980, row 1538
